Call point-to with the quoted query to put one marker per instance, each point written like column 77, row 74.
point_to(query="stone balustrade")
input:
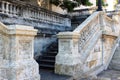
column 25, row 10
column 87, row 11
column 16, row 53
column 88, row 49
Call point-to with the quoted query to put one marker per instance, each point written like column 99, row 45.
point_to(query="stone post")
column 17, row 61
column 68, row 59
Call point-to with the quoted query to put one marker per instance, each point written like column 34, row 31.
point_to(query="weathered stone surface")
column 67, row 69
column 89, row 47
column 16, row 56
column 66, row 61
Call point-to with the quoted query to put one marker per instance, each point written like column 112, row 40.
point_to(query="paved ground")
column 106, row 75
column 49, row 75
column 111, row 74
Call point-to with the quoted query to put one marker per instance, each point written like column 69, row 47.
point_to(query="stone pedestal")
column 16, row 56
column 68, row 59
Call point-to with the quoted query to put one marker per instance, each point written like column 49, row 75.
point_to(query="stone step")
column 51, row 54
column 54, row 49
column 47, row 60
column 46, row 66
column 48, row 57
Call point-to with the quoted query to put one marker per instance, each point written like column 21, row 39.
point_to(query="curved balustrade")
column 89, row 48
column 86, row 11
column 32, row 12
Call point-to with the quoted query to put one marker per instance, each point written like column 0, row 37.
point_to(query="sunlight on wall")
column 111, row 5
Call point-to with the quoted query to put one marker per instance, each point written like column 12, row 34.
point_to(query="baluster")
column 39, row 15
column 59, row 20
column 0, row 6
column 31, row 14
column 7, row 7
column 3, row 7
column 43, row 15
column 54, row 19
column 29, row 11
column 14, row 10
column 46, row 17
column 49, row 18
column 10, row 9
column 34, row 14
column 18, row 10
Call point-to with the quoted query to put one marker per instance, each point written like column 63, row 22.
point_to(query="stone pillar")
column 68, row 59
column 16, row 57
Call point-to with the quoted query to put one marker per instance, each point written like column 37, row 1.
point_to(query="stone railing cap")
column 22, row 30
column 18, row 30
column 21, row 27
column 68, row 35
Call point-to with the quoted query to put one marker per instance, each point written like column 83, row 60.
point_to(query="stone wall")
column 16, row 56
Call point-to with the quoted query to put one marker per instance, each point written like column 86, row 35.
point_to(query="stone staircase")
column 47, row 60
column 115, row 62
column 77, row 20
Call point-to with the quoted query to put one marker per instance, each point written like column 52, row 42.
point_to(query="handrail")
column 87, row 46
column 88, row 41
column 87, row 29
column 86, row 22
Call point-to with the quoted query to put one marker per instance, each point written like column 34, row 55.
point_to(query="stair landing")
column 50, row 75
column 110, row 74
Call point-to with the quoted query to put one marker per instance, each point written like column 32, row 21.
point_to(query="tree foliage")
column 70, row 4
column 103, row 3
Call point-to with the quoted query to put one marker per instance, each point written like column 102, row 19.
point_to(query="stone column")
column 17, row 61
column 68, row 59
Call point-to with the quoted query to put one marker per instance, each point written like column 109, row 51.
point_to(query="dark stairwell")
column 77, row 20
column 47, row 60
